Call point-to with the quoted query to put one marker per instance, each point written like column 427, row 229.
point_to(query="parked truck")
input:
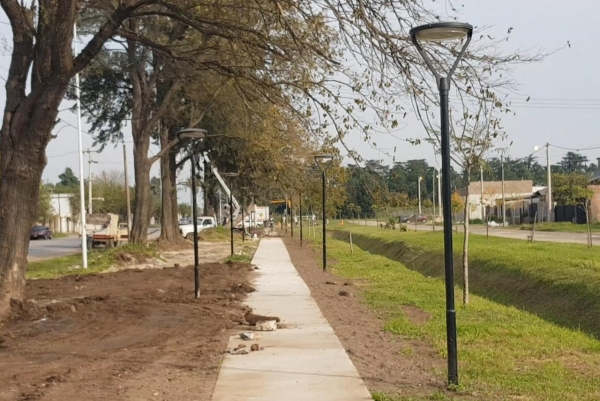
column 105, row 230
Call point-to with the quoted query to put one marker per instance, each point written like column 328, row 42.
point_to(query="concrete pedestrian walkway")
column 305, row 361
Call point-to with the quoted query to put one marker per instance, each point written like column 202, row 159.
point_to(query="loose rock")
column 255, row 347
column 331, row 282
column 345, row 294
column 247, row 336
column 268, row 325
column 252, row 318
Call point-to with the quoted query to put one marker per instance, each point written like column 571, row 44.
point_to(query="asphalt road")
column 555, row 236
column 47, row 249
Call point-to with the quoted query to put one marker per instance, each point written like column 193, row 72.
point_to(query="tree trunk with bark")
column 143, row 194
column 169, row 220
column 465, row 256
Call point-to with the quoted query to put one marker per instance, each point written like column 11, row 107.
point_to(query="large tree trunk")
column 28, row 131
column 169, row 223
column 143, row 194
column 465, row 256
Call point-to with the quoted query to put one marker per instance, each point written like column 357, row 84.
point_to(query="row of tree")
column 264, row 77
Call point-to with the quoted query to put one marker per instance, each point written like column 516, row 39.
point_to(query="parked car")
column 187, row 230
column 421, row 218
column 40, row 232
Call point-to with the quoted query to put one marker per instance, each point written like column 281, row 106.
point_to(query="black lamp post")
column 440, row 32
column 231, row 175
column 193, row 133
column 300, row 212
column 324, row 162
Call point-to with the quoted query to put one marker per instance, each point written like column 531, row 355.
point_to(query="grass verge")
column 560, row 227
column 98, row 260
column 505, row 353
column 560, row 282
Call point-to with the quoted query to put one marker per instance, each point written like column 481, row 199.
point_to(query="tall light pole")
column 439, row 32
column 231, row 175
column 192, row 133
column 300, row 212
column 81, row 180
column 419, row 190
column 324, row 162
column 182, row 135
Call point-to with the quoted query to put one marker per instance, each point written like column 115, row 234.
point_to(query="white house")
column 62, row 220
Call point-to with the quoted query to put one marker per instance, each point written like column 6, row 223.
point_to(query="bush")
column 475, row 221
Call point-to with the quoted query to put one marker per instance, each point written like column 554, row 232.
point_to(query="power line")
column 574, row 150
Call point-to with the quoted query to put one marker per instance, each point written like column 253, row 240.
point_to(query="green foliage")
column 570, row 189
column 184, row 209
column 505, row 352
column 68, row 182
column 458, row 203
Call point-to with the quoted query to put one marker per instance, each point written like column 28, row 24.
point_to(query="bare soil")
column 388, row 363
column 129, row 335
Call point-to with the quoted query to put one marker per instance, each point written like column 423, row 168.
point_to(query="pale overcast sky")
column 564, row 89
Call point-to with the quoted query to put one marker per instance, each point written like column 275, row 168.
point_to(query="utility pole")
column 433, row 198
column 127, row 197
column 81, row 184
column 481, row 199
column 503, row 197
column 549, row 196
column 90, row 161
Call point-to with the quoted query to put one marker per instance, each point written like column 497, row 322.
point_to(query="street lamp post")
column 324, row 162
column 193, row 133
column 439, row 32
column 300, row 212
column 231, row 175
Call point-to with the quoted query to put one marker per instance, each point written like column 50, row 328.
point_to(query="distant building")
column 518, row 196
column 62, row 220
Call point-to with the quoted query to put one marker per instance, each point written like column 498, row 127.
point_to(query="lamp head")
column 323, row 161
column 441, row 32
column 191, row 133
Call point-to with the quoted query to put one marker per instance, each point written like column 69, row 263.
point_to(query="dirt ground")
column 127, row 335
column 387, row 363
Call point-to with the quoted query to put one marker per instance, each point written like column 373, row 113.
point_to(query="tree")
column 573, row 190
column 573, row 163
column 68, row 181
column 458, row 204
column 184, row 209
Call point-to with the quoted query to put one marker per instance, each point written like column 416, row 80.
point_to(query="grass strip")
column 560, row 282
column 98, row 260
column 505, row 353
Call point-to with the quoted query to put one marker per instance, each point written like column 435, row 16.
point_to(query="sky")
column 564, row 93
